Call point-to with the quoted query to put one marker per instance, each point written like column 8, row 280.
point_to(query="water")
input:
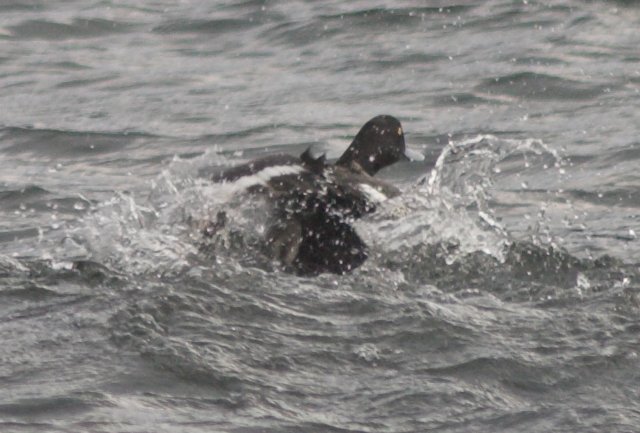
column 502, row 289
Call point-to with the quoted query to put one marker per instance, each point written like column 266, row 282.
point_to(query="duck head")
column 378, row 144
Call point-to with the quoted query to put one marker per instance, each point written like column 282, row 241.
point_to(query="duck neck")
column 356, row 161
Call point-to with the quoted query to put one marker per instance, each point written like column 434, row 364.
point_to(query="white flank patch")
column 265, row 175
column 373, row 194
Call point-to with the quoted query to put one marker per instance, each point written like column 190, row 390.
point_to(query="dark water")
column 503, row 289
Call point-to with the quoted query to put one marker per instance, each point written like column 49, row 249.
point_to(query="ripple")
column 301, row 33
column 215, row 26
column 44, row 407
column 11, row 199
column 78, row 28
column 68, row 65
column 23, row 5
column 615, row 197
column 465, row 99
column 389, row 62
column 60, row 143
column 401, row 16
column 83, row 82
column 540, row 86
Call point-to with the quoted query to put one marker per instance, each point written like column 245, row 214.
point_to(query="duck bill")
column 413, row 155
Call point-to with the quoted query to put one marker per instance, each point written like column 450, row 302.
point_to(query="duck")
column 315, row 202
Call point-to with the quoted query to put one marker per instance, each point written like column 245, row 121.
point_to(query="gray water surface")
column 501, row 292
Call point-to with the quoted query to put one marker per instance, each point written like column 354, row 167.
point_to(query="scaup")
column 316, row 202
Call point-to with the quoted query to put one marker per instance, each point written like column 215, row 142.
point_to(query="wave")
column 211, row 26
column 322, row 27
column 65, row 143
column 77, row 28
column 12, row 199
column 533, row 85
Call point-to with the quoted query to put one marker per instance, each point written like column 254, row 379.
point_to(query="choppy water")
column 502, row 293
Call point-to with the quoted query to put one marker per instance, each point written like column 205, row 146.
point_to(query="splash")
column 451, row 205
column 161, row 229
column 144, row 231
